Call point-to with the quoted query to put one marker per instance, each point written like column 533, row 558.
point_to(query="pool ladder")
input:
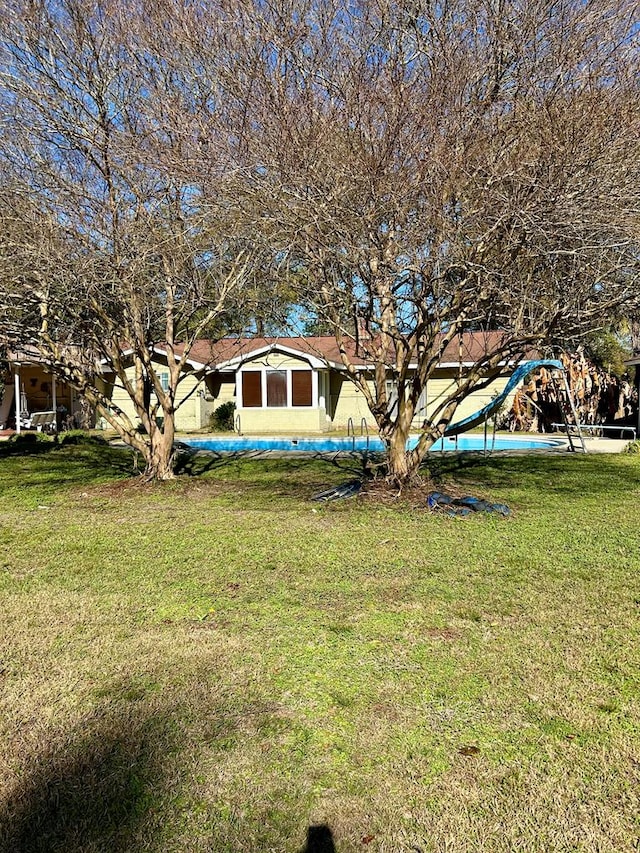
column 351, row 432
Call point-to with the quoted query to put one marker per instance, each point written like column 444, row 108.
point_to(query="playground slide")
column 5, row 406
column 479, row 417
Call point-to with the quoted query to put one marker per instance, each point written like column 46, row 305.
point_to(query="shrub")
column 633, row 447
column 78, row 436
column 222, row 419
column 27, row 439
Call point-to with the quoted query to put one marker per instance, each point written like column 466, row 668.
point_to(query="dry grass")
column 218, row 664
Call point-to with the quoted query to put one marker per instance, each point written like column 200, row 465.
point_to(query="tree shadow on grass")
column 257, row 476
column 196, row 463
column 116, row 782
column 268, row 474
column 27, row 445
column 55, row 465
column 564, row 474
column 95, row 789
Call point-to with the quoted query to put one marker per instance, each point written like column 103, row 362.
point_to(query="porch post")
column 322, row 390
column 16, row 377
column 263, row 386
column 54, row 402
column 239, row 394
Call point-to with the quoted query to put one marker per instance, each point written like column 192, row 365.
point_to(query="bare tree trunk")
column 400, row 469
column 635, row 335
column 403, row 465
column 160, row 450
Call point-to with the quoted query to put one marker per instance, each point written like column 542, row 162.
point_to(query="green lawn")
column 217, row 664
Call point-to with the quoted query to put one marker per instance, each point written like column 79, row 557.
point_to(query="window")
column 392, row 396
column 252, row 389
column 301, row 389
column 148, row 381
column 276, row 388
column 421, row 409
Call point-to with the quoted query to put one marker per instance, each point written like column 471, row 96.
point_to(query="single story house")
column 299, row 384
column 278, row 385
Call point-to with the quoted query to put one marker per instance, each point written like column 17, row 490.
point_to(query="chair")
column 43, row 421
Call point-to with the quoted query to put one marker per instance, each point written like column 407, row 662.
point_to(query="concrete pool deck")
column 606, row 445
column 593, row 444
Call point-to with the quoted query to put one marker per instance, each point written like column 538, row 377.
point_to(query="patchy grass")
column 218, row 664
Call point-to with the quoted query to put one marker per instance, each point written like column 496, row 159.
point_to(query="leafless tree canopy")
column 117, row 228
column 443, row 166
column 412, row 169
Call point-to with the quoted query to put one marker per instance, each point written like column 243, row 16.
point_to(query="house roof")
column 229, row 353
column 160, row 349
column 24, row 355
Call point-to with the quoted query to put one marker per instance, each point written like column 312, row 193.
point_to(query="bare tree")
column 439, row 167
column 118, row 232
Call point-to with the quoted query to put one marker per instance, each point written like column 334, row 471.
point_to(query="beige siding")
column 272, row 419
column 439, row 387
column 282, row 420
column 348, row 402
column 189, row 414
column 221, row 388
column 344, row 401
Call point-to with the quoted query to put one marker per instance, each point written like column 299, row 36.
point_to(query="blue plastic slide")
column 515, row 379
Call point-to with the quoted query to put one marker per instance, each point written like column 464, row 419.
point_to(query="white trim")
column 239, row 390
column 319, row 364
column 456, row 364
column 288, row 380
column 16, row 379
column 241, row 359
column 197, row 365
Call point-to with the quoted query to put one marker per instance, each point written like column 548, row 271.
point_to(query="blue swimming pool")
column 360, row 444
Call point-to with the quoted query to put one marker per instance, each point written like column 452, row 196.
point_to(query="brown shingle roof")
column 474, row 346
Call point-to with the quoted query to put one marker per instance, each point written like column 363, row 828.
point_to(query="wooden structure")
column 599, row 398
